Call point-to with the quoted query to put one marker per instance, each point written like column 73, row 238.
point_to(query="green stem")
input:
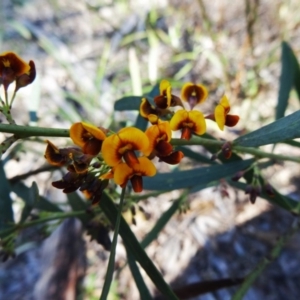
column 254, row 151
column 261, row 154
column 13, row 97
column 27, row 131
column 54, row 216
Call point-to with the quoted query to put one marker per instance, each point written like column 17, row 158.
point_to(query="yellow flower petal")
column 127, row 139
column 145, row 167
column 220, row 116
column 76, row 132
column 88, row 137
column 94, row 131
column 146, row 108
column 153, row 119
column 163, row 86
column 197, row 118
column 122, row 174
column 157, row 132
column 194, row 93
column 225, row 103
column 179, row 117
column 135, row 137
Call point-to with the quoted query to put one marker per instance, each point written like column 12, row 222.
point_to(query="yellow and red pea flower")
column 166, row 99
column 27, row 77
column 12, row 67
column 159, row 136
column 147, row 109
column 172, row 159
column 189, row 122
column 123, row 173
column 88, row 137
column 54, row 155
column 193, row 94
column 122, row 146
column 221, row 115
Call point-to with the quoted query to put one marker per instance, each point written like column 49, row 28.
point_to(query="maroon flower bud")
column 227, row 150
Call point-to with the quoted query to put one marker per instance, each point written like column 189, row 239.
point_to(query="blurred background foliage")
column 89, row 54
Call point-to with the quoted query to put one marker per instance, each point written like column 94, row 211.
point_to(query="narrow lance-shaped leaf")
column 135, row 248
column 284, row 129
column 286, row 80
column 190, row 178
column 139, row 281
column 128, row 103
column 33, row 197
column 6, row 213
column 134, row 102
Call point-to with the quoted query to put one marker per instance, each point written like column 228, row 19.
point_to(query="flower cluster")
column 101, row 155
column 189, row 121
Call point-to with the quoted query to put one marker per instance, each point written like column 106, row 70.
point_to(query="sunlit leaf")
column 284, row 129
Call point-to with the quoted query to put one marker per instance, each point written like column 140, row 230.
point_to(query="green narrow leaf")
column 194, row 155
column 30, row 202
column 6, row 212
column 139, row 281
column 135, row 248
column 286, row 80
column 284, row 129
column 297, row 75
column 141, row 123
column 134, row 102
column 111, row 262
column 187, row 179
column 154, row 92
column 128, row 103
